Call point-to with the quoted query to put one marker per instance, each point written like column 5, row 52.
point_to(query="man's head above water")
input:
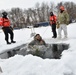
column 37, row 37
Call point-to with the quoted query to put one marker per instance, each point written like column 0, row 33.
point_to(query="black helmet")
column 51, row 13
column 4, row 13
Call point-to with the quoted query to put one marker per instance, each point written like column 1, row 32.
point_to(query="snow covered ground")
column 33, row 65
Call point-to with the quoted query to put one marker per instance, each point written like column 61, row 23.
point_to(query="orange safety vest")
column 4, row 22
column 53, row 19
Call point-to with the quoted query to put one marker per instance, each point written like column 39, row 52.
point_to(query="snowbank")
column 32, row 65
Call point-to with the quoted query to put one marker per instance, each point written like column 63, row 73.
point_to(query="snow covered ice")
column 33, row 65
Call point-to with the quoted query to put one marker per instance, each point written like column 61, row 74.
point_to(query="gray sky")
column 8, row 4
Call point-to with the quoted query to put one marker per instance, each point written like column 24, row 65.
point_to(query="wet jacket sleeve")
column 44, row 43
column 32, row 42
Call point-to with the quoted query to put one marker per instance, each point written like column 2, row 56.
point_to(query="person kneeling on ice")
column 7, row 29
column 37, row 40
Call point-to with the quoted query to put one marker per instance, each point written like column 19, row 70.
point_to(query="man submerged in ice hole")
column 37, row 46
column 37, row 40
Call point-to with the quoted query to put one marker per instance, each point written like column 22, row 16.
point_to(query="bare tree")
column 70, row 6
column 16, row 15
column 38, row 12
column 20, row 18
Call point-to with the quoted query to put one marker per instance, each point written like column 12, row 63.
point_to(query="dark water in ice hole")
column 52, row 51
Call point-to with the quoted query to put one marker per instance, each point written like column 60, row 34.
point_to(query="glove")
column 11, row 28
column 57, row 25
column 67, row 23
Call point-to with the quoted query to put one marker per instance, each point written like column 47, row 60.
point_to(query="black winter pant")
column 7, row 31
column 54, row 30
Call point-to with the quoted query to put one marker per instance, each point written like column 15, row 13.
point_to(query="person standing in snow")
column 53, row 19
column 7, row 29
column 63, row 20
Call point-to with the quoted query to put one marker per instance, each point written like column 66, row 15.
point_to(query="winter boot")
column 53, row 36
column 8, row 43
column 59, row 37
column 65, row 37
column 13, row 41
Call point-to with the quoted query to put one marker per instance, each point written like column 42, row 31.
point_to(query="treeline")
column 40, row 13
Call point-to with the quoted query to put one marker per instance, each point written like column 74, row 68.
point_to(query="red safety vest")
column 53, row 19
column 4, row 22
